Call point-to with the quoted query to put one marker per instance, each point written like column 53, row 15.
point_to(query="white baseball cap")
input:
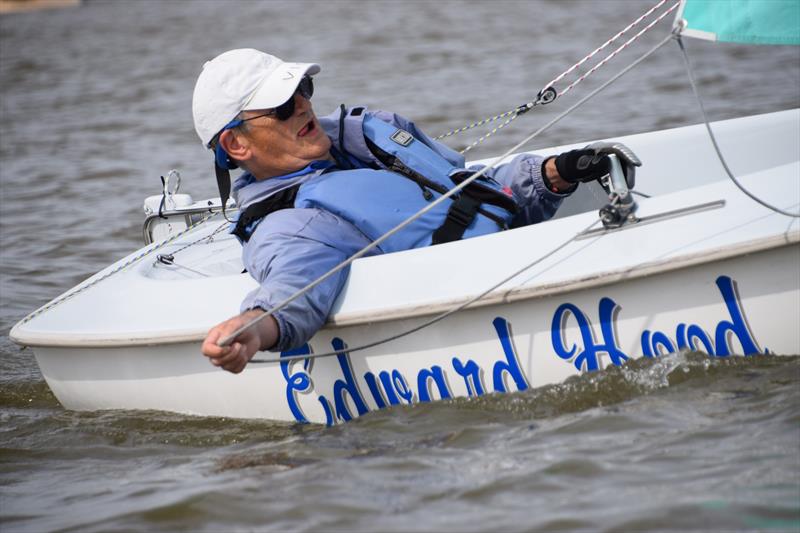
column 242, row 80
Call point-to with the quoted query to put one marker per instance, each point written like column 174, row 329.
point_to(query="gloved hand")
column 590, row 164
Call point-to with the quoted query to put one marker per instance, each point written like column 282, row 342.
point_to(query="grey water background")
column 96, row 104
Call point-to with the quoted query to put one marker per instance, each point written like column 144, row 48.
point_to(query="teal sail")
column 743, row 21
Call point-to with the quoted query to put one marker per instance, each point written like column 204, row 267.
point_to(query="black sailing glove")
column 590, row 163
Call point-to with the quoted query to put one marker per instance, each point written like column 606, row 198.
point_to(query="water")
column 96, row 104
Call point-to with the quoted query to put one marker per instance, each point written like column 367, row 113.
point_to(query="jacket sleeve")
column 523, row 175
column 289, row 250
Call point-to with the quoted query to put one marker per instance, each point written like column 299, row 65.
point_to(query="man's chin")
column 324, row 145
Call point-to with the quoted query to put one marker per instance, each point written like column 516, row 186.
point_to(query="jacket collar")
column 248, row 190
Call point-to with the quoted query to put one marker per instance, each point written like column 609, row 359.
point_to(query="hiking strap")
column 280, row 200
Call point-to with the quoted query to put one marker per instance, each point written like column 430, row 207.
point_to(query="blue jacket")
column 293, row 247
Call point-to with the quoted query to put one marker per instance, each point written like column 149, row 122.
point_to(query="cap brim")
column 280, row 85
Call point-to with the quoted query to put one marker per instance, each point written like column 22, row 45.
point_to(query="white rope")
column 542, row 97
column 226, row 341
column 619, row 49
column 608, row 42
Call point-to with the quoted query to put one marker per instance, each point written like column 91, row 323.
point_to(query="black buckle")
column 460, row 215
column 463, row 210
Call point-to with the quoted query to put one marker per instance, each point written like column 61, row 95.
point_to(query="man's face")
column 282, row 146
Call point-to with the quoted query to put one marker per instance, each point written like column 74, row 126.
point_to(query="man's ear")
column 235, row 145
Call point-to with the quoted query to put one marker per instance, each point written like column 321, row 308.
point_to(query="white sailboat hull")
column 706, row 269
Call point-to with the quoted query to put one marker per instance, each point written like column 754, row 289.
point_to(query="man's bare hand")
column 235, row 357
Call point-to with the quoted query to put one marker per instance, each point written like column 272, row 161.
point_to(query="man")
column 316, row 191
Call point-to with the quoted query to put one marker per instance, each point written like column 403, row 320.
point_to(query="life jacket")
column 406, row 177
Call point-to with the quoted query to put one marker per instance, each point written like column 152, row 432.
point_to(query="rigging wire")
column 603, row 46
column 226, row 341
column 549, row 94
column 619, row 49
column 690, row 72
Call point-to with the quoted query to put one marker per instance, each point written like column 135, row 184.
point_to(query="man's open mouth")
column 305, row 130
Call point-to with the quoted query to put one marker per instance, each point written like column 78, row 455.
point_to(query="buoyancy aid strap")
column 281, row 200
column 480, row 193
column 460, row 215
column 485, row 193
column 351, row 137
column 341, row 159
column 391, row 155
column 223, row 184
column 463, row 210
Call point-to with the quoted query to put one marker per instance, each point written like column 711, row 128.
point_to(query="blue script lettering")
column 686, row 337
column 401, row 386
column 511, row 365
column 375, row 389
column 326, row 406
column 348, row 386
column 660, row 343
column 472, row 375
column 738, row 326
column 437, row 375
column 298, row 381
column 388, row 386
column 301, row 382
column 383, row 388
column 695, row 338
column 587, row 358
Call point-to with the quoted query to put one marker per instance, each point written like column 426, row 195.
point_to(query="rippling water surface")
column 96, row 104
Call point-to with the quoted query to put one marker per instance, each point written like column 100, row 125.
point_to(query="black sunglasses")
column 286, row 109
